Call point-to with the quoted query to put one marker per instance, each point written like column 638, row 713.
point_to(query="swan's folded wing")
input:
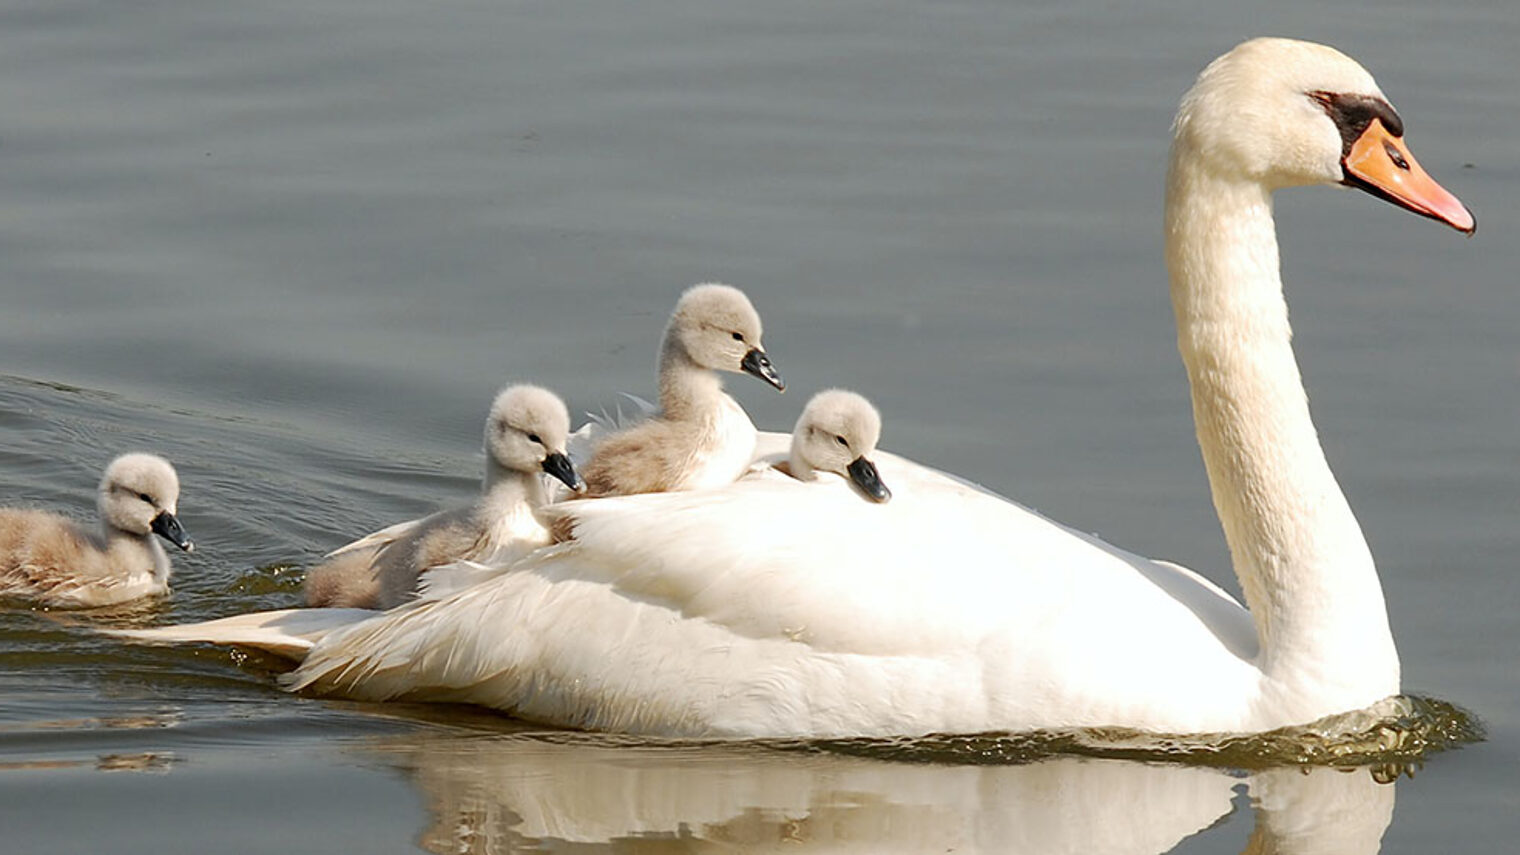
column 443, row 580
column 945, row 564
column 773, row 607
column 382, row 538
column 285, row 632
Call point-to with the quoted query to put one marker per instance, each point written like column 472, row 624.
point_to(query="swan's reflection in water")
column 527, row 793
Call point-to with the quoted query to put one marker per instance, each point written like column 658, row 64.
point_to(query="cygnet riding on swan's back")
column 701, row 436
column 525, row 436
column 55, row 562
column 767, row 608
column 837, row 432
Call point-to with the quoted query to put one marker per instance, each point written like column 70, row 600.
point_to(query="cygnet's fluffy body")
column 701, row 436
column 525, row 436
column 837, row 433
column 54, row 562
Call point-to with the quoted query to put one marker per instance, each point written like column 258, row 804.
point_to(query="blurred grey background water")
column 296, row 247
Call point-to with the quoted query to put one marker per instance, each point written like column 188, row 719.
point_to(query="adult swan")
column 775, row 608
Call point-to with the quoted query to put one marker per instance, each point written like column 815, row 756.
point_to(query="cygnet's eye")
column 533, row 437
column 841, row 440
column 145, row 497
column 738, row 336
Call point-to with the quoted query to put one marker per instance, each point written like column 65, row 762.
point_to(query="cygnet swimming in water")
column 838, row 432
column 701, row 437
column 525, row 435
column 55, row 562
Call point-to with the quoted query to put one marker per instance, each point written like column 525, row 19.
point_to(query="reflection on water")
column 526, row 792
column 1090, row 791
column 146, row 761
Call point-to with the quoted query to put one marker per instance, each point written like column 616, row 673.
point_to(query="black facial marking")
column 1353, row 113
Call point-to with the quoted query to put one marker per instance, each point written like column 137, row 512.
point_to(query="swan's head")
column 527, row 431
column 718, row 328
column 1282, row 113
column 139, row 494
column 838, row 432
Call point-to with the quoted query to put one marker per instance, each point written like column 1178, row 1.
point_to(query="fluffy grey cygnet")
column 838, row 432
column 701, row 437
column 525, row 436
column 56, row 562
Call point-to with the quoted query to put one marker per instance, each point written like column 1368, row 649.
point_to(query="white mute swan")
column 837, row 432
column 767, row 608
column 54, row 562
column 525, row 436
column 701, row 436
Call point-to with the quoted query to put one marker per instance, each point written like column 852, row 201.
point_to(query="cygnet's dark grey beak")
column 165, row 525
column 757, row 363
column 863, row 473
column 560, row 467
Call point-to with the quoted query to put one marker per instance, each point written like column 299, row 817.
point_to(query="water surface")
column 297, row 246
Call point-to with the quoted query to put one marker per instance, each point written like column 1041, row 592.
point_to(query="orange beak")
column 1380, row 164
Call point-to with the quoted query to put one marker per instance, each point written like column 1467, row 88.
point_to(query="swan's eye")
column 841, row 440
column 145, row 497
column 738, row 336
column 533, row 437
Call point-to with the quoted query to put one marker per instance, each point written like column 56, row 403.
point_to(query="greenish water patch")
column 1393, row 737
column 268, row 579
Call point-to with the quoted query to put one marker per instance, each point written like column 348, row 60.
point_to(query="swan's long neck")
column 1303, row 564
column 687, row 390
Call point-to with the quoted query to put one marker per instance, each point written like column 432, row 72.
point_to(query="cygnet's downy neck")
column 688, row 391
column 797, row 462
column 1306, row 571
column 114, row 540
column 505, row 489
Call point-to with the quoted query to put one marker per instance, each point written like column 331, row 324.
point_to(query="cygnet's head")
column 1281, row 112
column 527, row 431
column 838, row 432
column 139, row 494
column 718, row 328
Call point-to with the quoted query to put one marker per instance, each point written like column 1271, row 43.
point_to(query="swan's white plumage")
column 284, row 632
column 724, row 625
column 771, row 607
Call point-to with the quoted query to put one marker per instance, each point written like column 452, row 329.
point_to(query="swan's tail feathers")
column 438, row 649
column 287, row 632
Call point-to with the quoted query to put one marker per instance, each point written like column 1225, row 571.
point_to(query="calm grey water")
column 296, row 247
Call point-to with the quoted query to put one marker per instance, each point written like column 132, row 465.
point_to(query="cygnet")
column 701, row 437
column 54, row 562
column 838, row 432
column 525, row 435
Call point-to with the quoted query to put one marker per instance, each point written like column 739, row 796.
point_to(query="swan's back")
column 718, row 623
